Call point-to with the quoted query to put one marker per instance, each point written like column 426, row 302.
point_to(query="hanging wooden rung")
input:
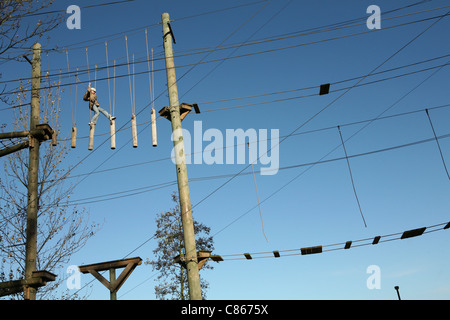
column 113, row 134
column 73, row 143
column 54, row 136
column 134, row 130
column 91, row 136
column 154, row 136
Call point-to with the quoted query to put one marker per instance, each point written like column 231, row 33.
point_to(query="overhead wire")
column 340, row 246
column 141, row 244
column 118, row 35
column 323, row 248
column 351, row 176
column 264, row 51
column 328, row 105
column 116, row 153
column 335, row 26
column 192, row 65
column 296, row 134
column 332, row 150
column 243, row 43
column 316, row 114
column 437, row 142
column 119, row 129
column 310, row 118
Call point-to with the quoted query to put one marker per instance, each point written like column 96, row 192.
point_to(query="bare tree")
column 22, row 23
column 62, row 229
column 172, row 277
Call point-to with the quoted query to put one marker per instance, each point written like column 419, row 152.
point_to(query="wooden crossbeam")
column 114, row 284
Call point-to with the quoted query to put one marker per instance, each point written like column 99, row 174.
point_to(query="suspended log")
column 134, row 130
column 91, row 136
column 73, row 143
column 113, row 134
column 154, row 136
column 54, row 136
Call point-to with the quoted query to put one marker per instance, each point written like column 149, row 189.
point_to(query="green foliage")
column 172, row 277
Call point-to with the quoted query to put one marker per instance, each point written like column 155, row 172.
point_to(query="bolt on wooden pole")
column 183, row 183
column 33, row 176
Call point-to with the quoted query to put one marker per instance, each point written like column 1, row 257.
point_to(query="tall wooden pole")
column 183, row 183
column 33, row 169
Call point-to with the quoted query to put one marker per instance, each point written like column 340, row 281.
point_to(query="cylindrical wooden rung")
column 91, row 136
column 154, row 137
column 54, row 135
column 134, row 130
column 73, row 143
column 113, row 134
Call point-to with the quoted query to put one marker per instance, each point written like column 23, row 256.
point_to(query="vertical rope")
column 256, row 187
column 114, row 87
column 129, row 77
column 148, row 65
column 153, row 85
column 351, row 176
column 437, row 142
column 95, row 77
column 87, row 62
column 107, row 71
column 89, row 77
column 76, row 103
column 70, row 86
column 59, row 90
column 134, row 93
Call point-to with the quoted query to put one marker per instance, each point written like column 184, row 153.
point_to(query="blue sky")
column 398, row 190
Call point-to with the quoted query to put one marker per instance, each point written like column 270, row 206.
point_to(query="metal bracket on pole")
column 171, row 33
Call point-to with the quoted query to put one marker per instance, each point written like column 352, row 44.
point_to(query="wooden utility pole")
column 36, row 134
column 195, row 292
column 33, row 169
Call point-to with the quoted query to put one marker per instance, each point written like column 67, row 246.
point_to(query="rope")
column 89, row 77
column 437, row 142
column 114, row 88
column 76, row 103
column 58, row 98
column 351, row 176
column 87, row 63
column 95, row 77
column 153, row 85
column 129, row 76
column 107, row 71
column 134, row 93
column 148, row 65
column 70, row 87
column 256, row 187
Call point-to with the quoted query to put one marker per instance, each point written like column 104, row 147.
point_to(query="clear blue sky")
column 398, row 190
